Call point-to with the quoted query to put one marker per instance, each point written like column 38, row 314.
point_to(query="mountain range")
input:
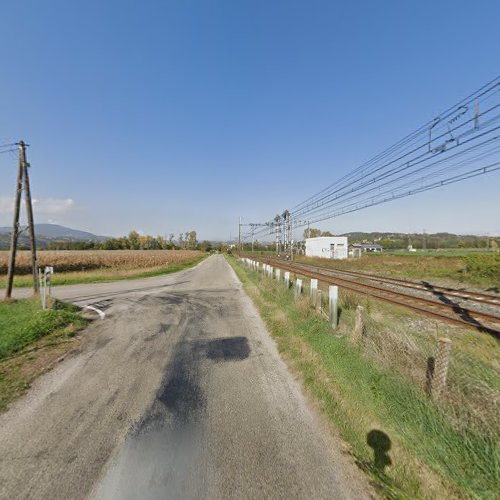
column 46, row 233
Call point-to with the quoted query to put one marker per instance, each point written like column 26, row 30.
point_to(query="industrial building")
column 328, row 247
column 367, row 248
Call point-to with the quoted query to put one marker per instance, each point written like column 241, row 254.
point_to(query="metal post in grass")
column 298, row 288
column 313, row 290
column 319, row 303
column 43, row 288
column 287, row 279
column 357, row 333
column 438, row 382
column 333, row 297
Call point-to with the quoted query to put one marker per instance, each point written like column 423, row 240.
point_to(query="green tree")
column 312, row 232
column 134, row 240
column 192, row 242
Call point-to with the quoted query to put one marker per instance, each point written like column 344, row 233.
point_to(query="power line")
column 485, row 89
column 461, row 137
column 413, row 161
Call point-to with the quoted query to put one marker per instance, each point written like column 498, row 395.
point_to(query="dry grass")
column 88, row 260
column 443, row 449
column 456, row 270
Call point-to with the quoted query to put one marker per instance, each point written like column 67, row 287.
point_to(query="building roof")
column 327, row 238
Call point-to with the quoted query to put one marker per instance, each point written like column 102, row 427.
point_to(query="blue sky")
column 179, row 115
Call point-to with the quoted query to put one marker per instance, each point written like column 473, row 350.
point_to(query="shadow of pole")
column 429, row 374
column 457, row 309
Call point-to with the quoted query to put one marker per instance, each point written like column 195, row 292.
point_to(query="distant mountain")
column 46, row 233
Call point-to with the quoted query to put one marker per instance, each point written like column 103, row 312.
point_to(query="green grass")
column 31, row 341
column 105, row 275
column 23, row 322
column 430, row 457
column 474, row 269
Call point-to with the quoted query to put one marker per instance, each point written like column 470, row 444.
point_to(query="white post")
column 333, row 295
column 43, row 288
column 271, row 269
column 313, row 290
column 50, row 280
column 298, row 287
column 287, row 279
column 278, row 275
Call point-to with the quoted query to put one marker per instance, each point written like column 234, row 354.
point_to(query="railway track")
column 482, row 298
column 443, row 308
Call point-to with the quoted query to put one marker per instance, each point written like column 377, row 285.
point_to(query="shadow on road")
column 227, row 349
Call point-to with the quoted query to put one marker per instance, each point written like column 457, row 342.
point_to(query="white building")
column 328, row 247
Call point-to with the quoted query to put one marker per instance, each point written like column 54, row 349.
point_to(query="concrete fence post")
column 278, row 275
column 438, row 382
column 333, row 297
column 313, row 290
column 357, row 333
column 271, row 272
column 287, row 279
column 319, row 303
column 298, row 288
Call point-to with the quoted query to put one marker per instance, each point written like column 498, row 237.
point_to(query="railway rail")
column 482, row 298
column 443, row 308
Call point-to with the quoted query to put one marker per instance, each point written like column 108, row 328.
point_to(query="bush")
column 483, row 266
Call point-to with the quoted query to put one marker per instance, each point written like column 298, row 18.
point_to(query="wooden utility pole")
column 22, row 175
column 15, row 229
column 29, row 213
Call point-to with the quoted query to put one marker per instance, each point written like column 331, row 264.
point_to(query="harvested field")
column 88, row 260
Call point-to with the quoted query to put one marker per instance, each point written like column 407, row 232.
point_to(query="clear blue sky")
column 178, row 115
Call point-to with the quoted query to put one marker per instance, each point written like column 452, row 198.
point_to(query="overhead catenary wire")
column 413, row 161
column 485, row 89
column 458, row 144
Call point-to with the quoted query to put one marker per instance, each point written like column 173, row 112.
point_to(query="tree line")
column 136, row 241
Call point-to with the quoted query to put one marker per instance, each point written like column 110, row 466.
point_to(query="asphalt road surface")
column 178, row 393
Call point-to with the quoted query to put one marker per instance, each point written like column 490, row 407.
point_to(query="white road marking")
column 98, row 311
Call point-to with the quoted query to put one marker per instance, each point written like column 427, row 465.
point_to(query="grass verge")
column 31, row 340
column 105, row 275
column 409, row 446
column 475, row 270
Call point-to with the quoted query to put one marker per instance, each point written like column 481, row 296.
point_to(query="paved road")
column 178, row 393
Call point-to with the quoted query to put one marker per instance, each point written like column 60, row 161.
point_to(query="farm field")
column 475, row 269
column 88, row 266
